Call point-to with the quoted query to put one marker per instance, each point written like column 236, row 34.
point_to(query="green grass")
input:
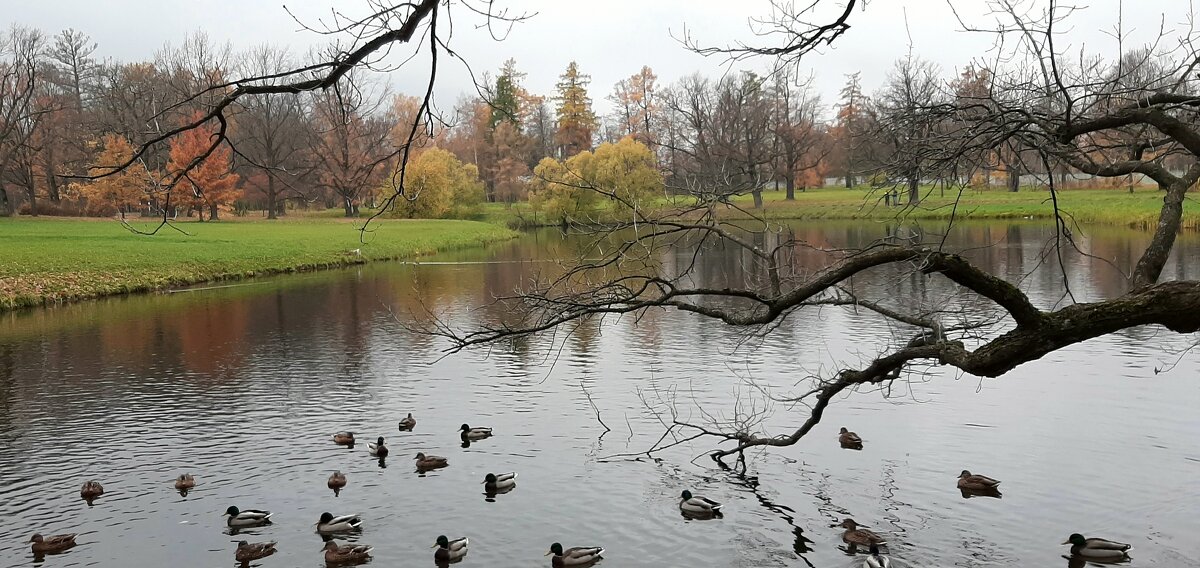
column 1118, row 207
column 47, row 261
column 1139, row 209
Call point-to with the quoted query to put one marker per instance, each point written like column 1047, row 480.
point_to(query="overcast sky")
column 609, row 39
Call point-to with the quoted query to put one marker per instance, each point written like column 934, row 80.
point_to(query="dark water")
column 243, row 386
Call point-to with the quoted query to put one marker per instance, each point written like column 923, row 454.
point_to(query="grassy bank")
column 1117, row 207
column 46, row 261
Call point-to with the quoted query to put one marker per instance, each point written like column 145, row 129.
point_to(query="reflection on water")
column 242, row 387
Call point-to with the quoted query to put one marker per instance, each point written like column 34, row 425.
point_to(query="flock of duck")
column 971, row 485
column 448, row 550
column 452, row 550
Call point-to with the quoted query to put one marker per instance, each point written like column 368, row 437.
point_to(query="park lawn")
column 1118, row 207
column 1139, row 209
column 47, row 260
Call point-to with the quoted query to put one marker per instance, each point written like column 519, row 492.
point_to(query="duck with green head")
column 1097, row 548
column 698, row 505
column 449, row 550
column 377, row 448
column 574, row 556
column 877, row 560
column 499, row 482
column 469, row 433
column 328, row 523
column 247, row 518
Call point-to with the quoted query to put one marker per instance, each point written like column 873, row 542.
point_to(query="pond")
column 243, row 386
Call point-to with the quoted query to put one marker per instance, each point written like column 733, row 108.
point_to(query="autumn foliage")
column 121, row 191
column 211, row 184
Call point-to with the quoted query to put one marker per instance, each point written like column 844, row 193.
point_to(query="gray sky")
column 610, row 40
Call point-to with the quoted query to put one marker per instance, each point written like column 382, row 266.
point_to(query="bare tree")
column 905, row 119
column 20, row 110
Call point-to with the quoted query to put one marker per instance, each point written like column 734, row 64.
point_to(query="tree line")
column 67, row 119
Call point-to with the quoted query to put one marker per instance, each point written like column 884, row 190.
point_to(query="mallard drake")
column 969, row 481
column 695, row 504
column 91, row 490
column 430, row 462
column 185, row 481
column 449, row 550
column 51, row 544
column 247, row 551
column 377, row 448
column 848, row 438
column 469, row 433
column 337, row 480
column 877, row 560
column 1097, row 548
column 855, row 536
column 346, row 553
column 344, row 438
column 573, row 556
column 499, row 481
column 408, row 422
column 247, row 518
column 341, row 523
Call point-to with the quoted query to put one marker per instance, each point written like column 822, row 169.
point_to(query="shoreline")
column 52, row 266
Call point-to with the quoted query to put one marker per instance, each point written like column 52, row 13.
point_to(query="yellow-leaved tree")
column 622, row 176
column 122, row 191
column 440, row 186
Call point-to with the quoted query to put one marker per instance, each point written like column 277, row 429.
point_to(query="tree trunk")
column 271, row 198
column 1150, row 266
column 1014, row 178
column 849, row 181
column 790, row 184
column 52, row 188
column 32, row 191
column 212, row 212
column 349, row 207
column 758, row 200
column 6, row 209
column 914, row 193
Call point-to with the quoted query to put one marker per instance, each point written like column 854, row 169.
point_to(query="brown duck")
column 848, row 438
column 91, row 490
column 971, row 482
column 52, row 544
column 247, row 551
column 855, row 536
column 346, row 553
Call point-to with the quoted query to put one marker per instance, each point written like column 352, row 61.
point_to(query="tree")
column 209, row 177
column 851, row 127
column 506, row 99
column 350, row 146
column 635, row 104
column 623, row 175
column 912, row 89
column 122, row 191
column 440, row 186
column 576, row 121
column 799, row 141
column 271, row 136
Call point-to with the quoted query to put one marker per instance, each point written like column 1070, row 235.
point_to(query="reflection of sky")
column 242, row 386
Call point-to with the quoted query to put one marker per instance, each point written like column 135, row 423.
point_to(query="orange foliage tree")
column 123, row 190
column 210, row 184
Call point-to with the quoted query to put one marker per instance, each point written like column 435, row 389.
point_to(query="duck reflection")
column 969, row 493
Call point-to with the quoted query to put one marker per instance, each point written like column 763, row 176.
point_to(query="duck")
column 430, row 462
column 1097, row 548
column 408, row 423
column 848, row 438
column 855, row 536
column 91, row 490
column 696, row 504
column 247, row 518
column 377, row 448
column 877, row 560
column 573, row 556
column 971, row 482
column 247, row 551
column 51, row 544
column 346, row 553
column 449, row 550
column 185, row 481
column 341, row 523
column 337, row 480
column 499, row 482
column 344, row 438
column 469, row 433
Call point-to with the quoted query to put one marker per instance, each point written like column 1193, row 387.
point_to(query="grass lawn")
column 49, row 260
column 1118, row 207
